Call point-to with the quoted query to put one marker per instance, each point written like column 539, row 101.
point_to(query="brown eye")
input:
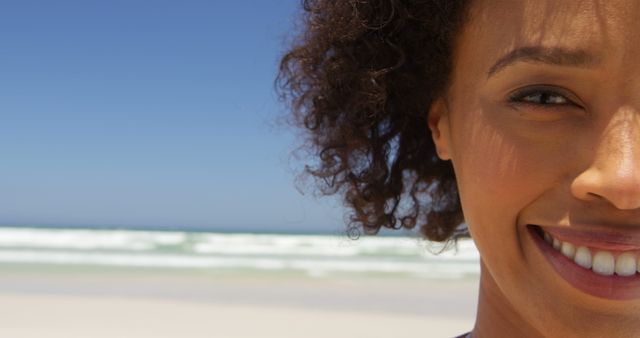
column 540, row 96
column 545, row 98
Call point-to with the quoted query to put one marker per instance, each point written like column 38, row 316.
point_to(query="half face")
column 542, row 124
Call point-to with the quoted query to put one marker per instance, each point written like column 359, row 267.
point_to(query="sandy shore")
column 126, row 303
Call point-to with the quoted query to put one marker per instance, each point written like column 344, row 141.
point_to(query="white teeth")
column 603, row 263
column 626, row 264
column 583, row 257
column 568, row 249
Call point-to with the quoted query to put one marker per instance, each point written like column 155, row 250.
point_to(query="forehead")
column 606, row 28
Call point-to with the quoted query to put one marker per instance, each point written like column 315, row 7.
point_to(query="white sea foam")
column 86, row 239
column 314, row 255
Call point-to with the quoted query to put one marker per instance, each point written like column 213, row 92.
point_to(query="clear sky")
column 148, row 113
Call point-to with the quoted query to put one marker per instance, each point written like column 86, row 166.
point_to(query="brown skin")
column 570, row 160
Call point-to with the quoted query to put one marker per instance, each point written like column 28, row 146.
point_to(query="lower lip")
column 610, row 287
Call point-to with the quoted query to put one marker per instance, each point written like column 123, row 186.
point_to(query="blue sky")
column 148, row 113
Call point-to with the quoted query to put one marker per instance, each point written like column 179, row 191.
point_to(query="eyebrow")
column 550, row 55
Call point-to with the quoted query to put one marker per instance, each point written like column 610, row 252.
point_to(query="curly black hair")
column 360, row 79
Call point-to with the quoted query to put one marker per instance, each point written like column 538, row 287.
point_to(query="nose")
column 614, row 173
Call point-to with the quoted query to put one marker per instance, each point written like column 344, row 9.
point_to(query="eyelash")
column 520, row 95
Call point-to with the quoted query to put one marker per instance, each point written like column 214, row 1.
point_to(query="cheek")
column 499, row 173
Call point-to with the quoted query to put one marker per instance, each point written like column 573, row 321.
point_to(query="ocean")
column 237, row 253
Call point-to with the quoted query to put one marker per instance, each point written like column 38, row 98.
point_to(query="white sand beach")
column 132, row 303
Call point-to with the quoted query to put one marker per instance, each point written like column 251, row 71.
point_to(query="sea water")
column 312, row 255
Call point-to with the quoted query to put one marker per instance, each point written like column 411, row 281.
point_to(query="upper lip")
column 597, row 236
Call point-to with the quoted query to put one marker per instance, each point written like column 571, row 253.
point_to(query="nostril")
column 618, row 199
column 596, row 185
column 594, row 196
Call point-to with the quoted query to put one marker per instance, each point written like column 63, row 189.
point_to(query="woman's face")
column 542, row 125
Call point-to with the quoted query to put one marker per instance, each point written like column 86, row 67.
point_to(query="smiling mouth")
column 599, row 261
column 601, row 264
